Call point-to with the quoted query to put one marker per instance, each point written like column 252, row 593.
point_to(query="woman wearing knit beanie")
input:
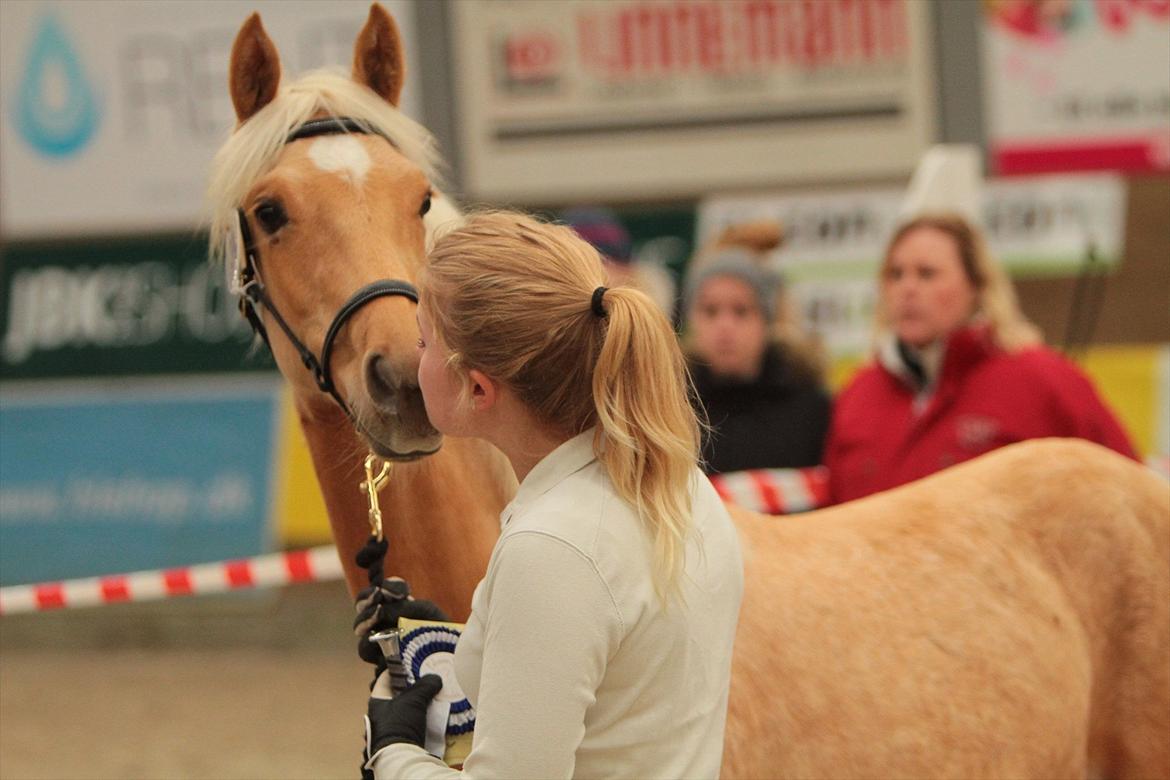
column 763, row 394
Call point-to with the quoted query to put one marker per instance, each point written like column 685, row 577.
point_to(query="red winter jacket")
column 984, row 398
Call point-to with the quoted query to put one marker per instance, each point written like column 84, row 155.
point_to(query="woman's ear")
column 484, row 391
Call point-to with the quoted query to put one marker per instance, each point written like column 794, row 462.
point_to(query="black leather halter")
column 256, row 295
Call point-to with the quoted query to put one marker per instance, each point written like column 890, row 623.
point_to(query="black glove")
column 401, row 719
column 378, row 609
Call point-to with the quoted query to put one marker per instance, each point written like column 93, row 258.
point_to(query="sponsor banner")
column 119, row 307
column 111, row 111
column 1048, row 224
column 822, row 228
column 565, row 99
column 835, row 239
column 1077, row 85
column 131, row 478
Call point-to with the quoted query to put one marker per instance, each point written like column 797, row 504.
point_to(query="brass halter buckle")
column 372, row 484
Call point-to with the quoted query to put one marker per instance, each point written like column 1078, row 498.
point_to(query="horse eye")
column 426, row 206
column 271, row 216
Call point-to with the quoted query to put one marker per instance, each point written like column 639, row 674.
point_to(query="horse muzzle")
column 394, row 419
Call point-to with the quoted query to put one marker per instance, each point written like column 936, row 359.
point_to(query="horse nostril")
column 382, row 383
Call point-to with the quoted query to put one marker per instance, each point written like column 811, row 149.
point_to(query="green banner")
column 119, row 307
column 665, row 235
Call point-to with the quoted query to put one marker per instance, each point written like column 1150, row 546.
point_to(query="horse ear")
column 254, row 73
column 377, row 56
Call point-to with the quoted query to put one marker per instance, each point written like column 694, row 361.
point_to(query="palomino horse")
column 326, row 214
column 1009, row 617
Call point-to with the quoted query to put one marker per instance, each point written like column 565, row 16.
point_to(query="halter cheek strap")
column 254, row 294
column 378, row 289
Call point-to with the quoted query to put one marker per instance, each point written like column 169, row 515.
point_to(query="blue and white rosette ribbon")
column 431, row 650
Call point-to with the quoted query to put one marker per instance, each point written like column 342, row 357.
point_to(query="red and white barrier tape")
column 784, row 491
column 317, row 564
column 775, row 491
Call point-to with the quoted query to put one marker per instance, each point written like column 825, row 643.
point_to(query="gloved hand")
column 401, row 719
column 378, row 609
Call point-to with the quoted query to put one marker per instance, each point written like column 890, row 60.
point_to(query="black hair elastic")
column 595, row 304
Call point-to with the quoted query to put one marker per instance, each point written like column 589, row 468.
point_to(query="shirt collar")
column 930, row 359
column 567, row 459
column 942, row 359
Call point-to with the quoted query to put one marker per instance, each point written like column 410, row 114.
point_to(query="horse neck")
column 440, row 514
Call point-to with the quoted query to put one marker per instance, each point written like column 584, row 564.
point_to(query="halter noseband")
column 254, row 294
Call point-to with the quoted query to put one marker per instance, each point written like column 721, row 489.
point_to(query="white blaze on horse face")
column 343, row 154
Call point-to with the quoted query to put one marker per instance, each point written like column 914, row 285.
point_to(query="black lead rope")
column 372, row 558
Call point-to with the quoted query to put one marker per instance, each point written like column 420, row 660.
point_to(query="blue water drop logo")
column 56, row 112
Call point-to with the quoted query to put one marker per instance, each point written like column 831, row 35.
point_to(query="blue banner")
column 104, row 485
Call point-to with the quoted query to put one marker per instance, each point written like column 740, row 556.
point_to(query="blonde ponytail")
column 651, row 445
column 512, row 297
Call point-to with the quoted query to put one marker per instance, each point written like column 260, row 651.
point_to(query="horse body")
column 1009, row 617
column 1005, row 618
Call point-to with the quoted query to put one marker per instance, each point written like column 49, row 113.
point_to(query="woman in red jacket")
column 958, row 370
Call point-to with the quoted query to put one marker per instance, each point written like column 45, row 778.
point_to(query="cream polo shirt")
column 572, row 665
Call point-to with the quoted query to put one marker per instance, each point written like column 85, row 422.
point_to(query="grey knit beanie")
column 740, row 264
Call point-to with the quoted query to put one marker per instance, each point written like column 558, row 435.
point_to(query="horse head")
column 323, row 189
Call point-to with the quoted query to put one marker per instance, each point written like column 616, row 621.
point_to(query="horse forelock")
column 253, row 147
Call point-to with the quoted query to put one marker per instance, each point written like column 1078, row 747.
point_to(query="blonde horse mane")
column 253, row 147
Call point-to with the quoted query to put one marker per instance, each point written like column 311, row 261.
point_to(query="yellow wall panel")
column 300, row 519
column 842, row 370
column 1130, row 380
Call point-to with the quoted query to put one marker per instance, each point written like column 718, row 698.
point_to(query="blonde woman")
column 958, row 370
column 599, row 643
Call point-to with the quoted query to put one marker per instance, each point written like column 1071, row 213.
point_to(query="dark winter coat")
column 778, row 420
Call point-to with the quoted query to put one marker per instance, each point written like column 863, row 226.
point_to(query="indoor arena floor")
column 248, row 686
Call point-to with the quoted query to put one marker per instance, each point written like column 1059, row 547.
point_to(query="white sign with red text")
column 565, row 99
column 1077, row 85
